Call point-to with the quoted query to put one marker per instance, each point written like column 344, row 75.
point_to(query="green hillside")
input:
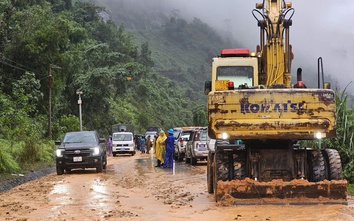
column 181, row 50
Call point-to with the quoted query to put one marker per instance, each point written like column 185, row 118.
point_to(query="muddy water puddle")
column 147, row 165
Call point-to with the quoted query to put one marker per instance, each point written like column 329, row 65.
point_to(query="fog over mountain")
column 321, row 28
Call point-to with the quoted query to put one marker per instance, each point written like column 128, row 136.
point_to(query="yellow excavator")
column 260, row 120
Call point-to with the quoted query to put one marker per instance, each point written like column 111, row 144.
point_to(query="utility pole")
column 50, row 99
column 50, row 102
column 79, row 102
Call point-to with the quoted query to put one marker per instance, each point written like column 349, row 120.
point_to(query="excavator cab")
column 234, row 68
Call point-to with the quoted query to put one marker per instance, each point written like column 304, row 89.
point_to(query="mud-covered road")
column 133, row 189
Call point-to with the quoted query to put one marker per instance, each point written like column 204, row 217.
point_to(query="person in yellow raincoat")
column 160, row 148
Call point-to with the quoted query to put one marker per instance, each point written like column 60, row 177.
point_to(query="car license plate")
column 77, row 159
column 202, row 147
column 122, row 148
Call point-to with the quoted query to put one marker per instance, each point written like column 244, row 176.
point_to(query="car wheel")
column 176, row 154
column 114, row 154
column 334, row 164
column 193, row 160
column 60, row 170
column 187, row 159
column 317, row 166
column 133, row 153
column 99, row 168
column 105, row 162
column 180, row 157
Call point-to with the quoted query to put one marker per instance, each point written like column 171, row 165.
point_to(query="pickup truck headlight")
column 96, row 151
column 59, row 152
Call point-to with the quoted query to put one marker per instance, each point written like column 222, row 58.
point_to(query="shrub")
column 36, row 151
column 7, row 162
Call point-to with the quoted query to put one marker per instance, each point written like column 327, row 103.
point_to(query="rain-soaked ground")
column 132, row 188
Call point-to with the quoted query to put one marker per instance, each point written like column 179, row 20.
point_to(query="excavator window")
column 240, row 75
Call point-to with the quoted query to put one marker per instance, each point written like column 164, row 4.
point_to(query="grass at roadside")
column 350, row 189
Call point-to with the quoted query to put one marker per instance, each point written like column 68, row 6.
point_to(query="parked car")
column 196, row 148
column 180, row 144
column 176, row 132
column 123, row 143
column 211, row 144
column 81, row 149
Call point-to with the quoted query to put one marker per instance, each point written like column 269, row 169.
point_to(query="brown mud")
column 132, row 188
column 297, row 192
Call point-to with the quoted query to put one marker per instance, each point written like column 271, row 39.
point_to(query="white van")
column 123, row 143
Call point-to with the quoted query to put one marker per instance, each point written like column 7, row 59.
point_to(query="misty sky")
column 321, row 28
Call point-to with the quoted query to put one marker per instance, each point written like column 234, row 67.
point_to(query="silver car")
column 197, row 148
column 181, row 143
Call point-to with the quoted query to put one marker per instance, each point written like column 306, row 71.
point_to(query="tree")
column 145, row 55
column 199, row 116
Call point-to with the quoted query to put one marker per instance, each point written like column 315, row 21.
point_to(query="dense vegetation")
column 141, row 68
column 83, row 52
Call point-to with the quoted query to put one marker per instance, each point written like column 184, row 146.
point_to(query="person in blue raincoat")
column 169, row 149
column 142, row 144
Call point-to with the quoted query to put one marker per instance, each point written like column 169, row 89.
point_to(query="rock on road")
column 133, row 189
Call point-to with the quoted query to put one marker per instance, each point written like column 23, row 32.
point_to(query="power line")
column 18, row 64
column 5, row 63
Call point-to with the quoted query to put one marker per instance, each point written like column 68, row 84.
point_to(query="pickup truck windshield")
column 80, row 137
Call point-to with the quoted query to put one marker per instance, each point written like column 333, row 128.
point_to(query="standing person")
column 142, row 144
column 169, row 149
column 160, row 148
column 109, row 145
column 137, row 142
column 148, row 144
column 154, row 142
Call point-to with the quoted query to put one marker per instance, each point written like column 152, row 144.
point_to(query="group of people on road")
column 164, row 147
column 145, row 144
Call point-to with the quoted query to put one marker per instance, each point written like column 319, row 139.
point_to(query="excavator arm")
column 274, row 21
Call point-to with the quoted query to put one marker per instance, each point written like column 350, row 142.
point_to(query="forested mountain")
column 181, row 49
column 122, row 79
column 50, row 50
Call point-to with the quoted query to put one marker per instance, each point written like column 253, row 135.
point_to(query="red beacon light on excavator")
column 230, row 85
column 236, row 52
